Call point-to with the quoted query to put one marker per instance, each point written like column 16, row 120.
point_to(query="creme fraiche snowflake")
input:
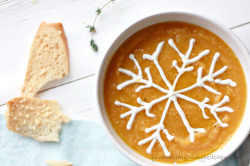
column 171, row 95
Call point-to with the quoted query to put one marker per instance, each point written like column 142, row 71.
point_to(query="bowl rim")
column 108, row 56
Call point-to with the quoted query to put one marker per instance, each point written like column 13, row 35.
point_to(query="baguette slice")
column 58, row 163
column 36, row 118
column 48, row 59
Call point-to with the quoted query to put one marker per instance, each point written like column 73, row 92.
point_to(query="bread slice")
column 58, row 163
column 36, row 118
column 48, row 59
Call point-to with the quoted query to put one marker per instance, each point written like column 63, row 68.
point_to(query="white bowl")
column 219, row 29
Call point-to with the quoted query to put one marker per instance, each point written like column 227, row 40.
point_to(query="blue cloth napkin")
column 83, row 143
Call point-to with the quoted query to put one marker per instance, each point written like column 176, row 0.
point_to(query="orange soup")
column 175, row 92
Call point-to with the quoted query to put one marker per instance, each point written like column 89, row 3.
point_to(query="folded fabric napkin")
column 83, row 143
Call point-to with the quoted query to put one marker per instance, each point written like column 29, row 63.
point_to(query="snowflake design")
column 171, row 95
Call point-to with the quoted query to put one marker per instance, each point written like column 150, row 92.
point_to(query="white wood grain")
column 19, row 21
column 243, row 33
column 77, row 99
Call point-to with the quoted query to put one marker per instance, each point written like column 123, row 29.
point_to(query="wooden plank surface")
column 20, row 19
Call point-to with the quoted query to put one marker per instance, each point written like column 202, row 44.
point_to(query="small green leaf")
column 92, row 42
column 91, row 28
column 93, row 45
column 98, row 11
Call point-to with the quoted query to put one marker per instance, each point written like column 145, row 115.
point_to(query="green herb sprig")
column 92, row 28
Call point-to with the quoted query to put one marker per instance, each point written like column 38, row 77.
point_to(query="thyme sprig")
column 92, row 28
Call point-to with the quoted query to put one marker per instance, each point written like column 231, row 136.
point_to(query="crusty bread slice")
column 58, row 163
column 48, row 59
column 36, row 118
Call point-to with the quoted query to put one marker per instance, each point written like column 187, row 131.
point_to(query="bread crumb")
column 58, row 163
column 34, row 1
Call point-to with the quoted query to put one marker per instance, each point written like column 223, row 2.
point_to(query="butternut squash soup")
column 175, row 92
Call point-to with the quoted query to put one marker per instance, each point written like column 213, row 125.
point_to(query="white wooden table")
column 19, row 21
